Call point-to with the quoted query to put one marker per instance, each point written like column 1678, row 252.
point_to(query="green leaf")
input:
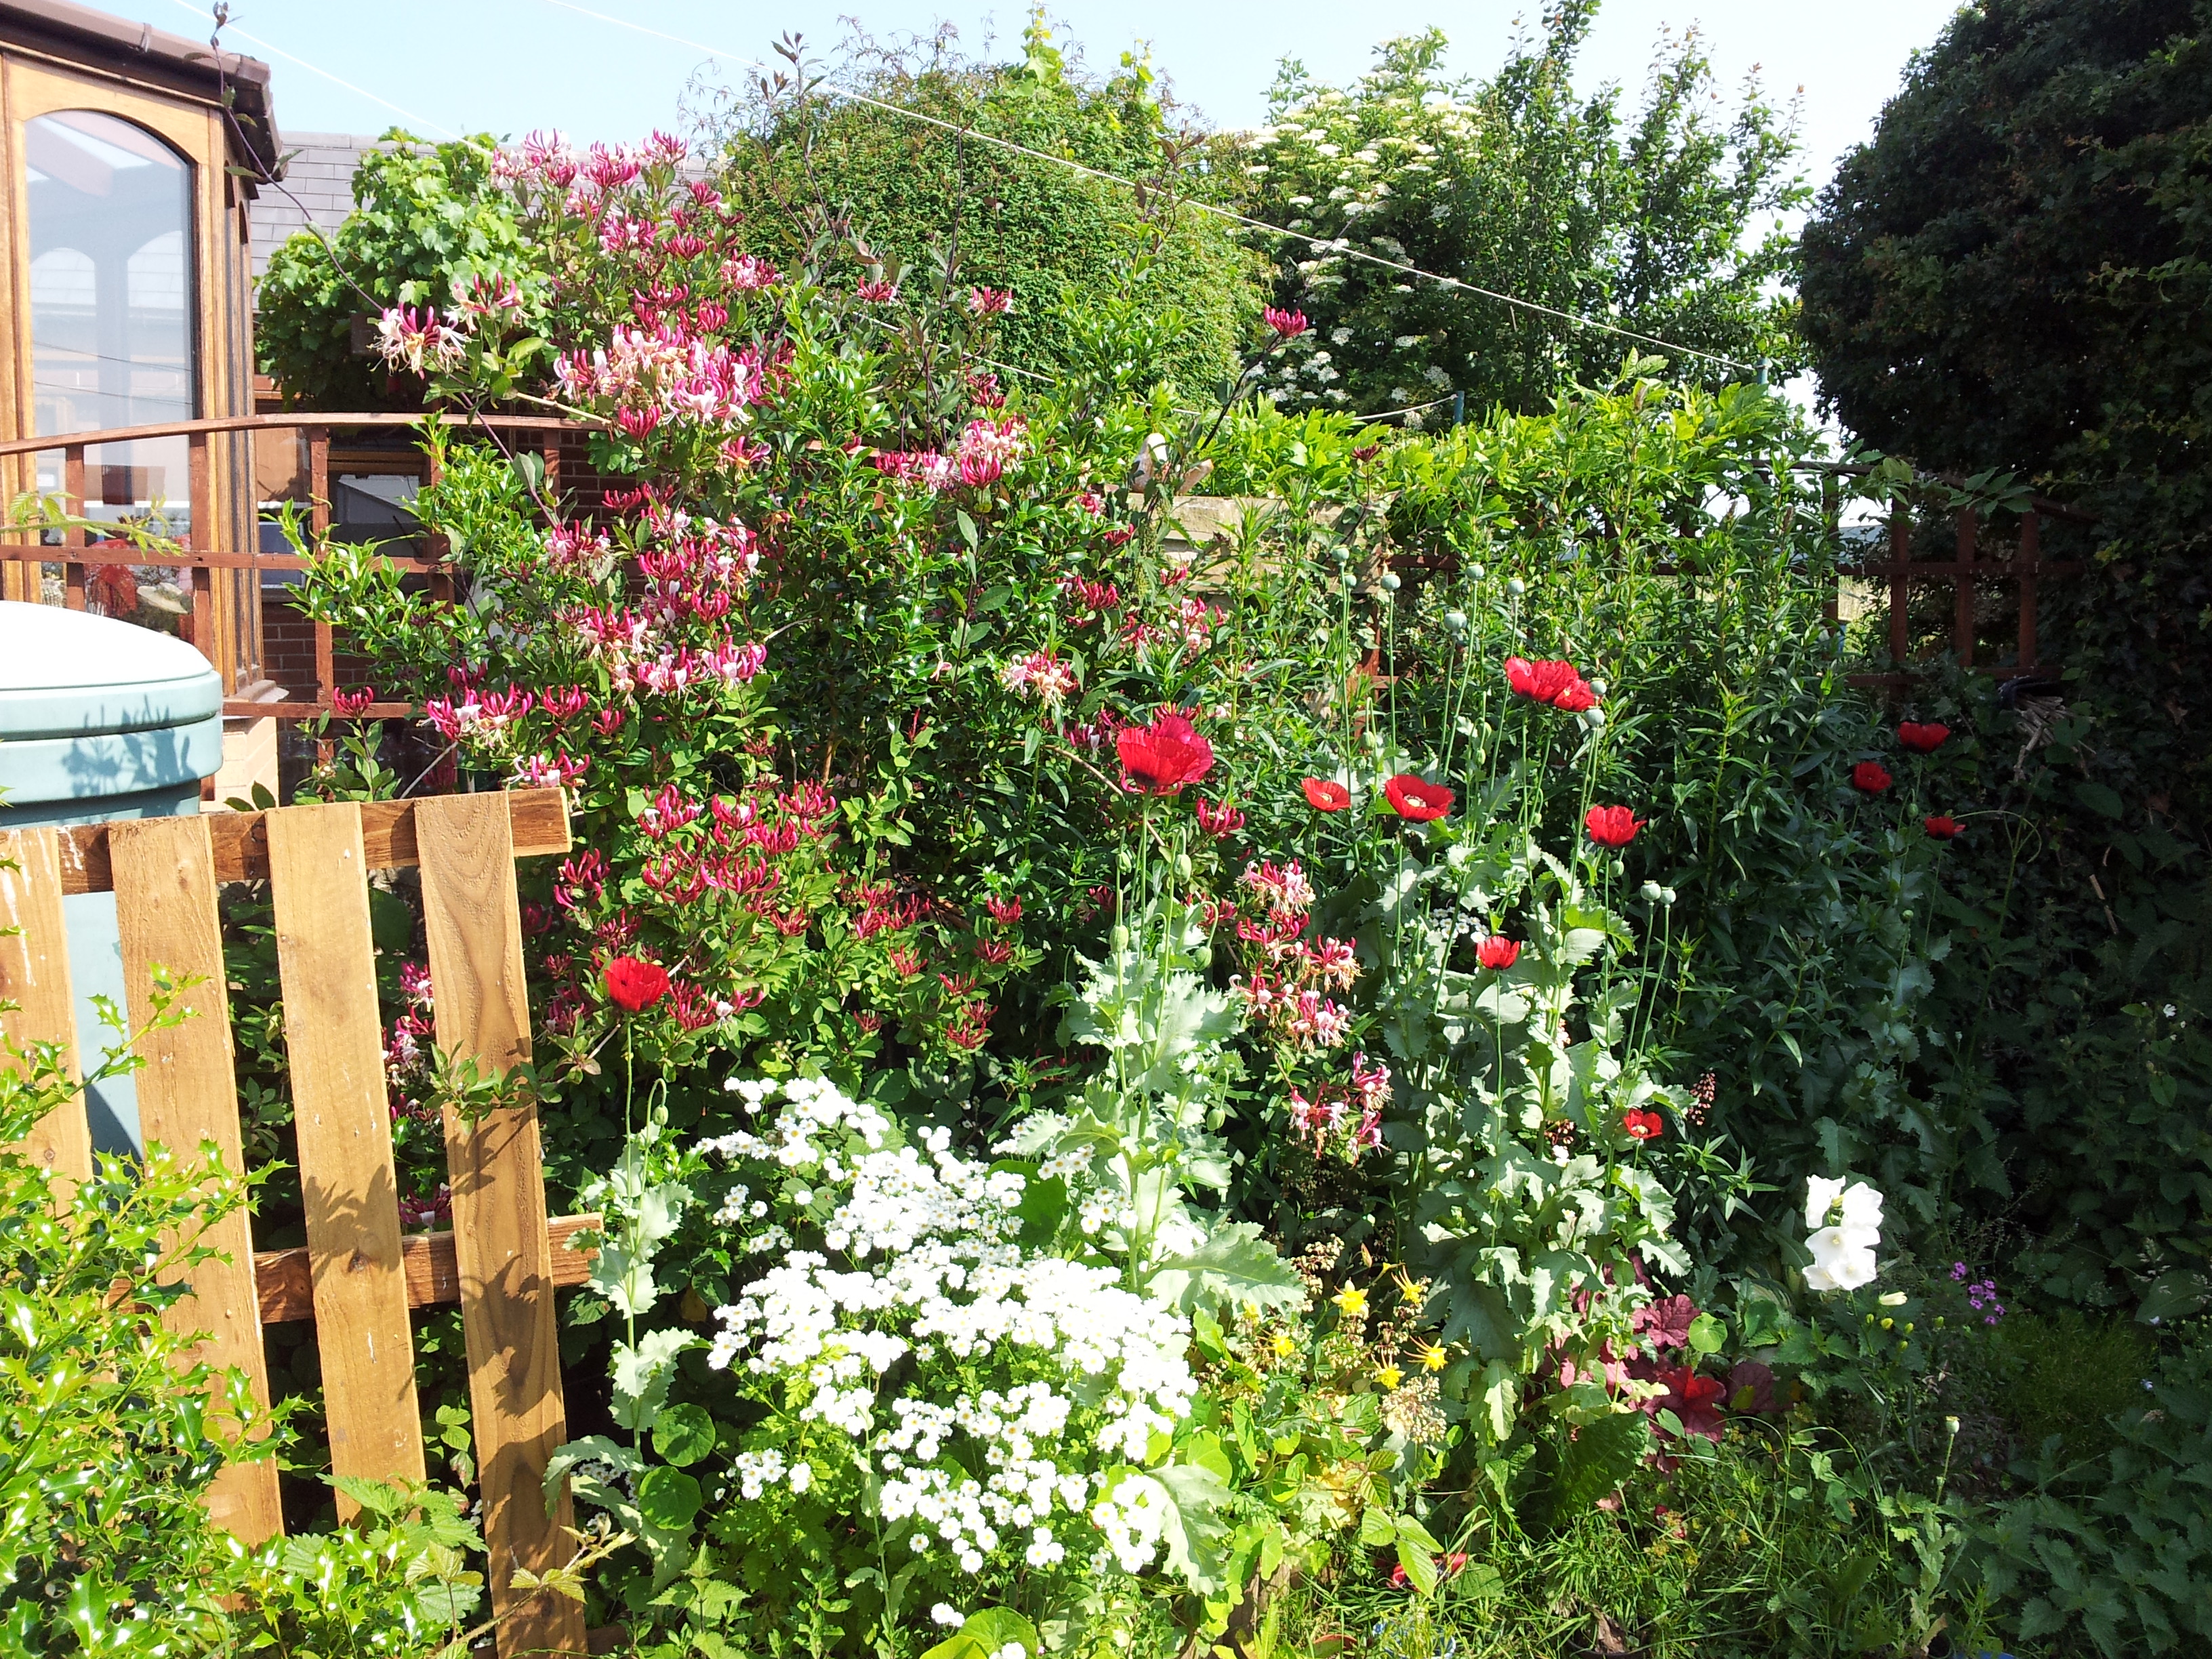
column 642, row 1374
column 1707, row 1333
column 1234, row 1267
column 2098, row 797
column 682, row 1435
column 1194, row 1532
column 986, row 1634
column 668, row 1497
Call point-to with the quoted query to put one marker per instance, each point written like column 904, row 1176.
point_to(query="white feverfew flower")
column 922, row 1264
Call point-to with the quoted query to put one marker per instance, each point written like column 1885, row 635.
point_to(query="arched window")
column 112, row 300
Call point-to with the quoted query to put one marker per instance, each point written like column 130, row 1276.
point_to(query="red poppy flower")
column 1871, row 777
column 1159, row 759
column 634, row 983
column 1555, row 683
column 1922, row 739
column 1325, row 796
column 1943, row 826
column 1643, row 1126
column 1417, row 799
column 1612, row 826
column 1498, row 952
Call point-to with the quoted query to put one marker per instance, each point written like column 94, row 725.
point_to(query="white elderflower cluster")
column 921, row 1261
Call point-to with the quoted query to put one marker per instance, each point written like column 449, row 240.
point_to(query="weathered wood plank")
column 286, row 1288
column 472, row 920
column 333, row 1042
column 539, row 818
column 34, row 975
column 165, row 907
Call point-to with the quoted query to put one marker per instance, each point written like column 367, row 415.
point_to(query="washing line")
column 316, row 68
column 1332, row 244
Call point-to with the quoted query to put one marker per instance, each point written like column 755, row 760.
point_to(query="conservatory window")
column 111, row 305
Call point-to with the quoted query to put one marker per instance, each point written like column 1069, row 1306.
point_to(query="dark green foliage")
column 2019, row 250
column 2110, row 1554
column 1645, row 219
column 2012, row 274
column 423, row 221
column 915, row 194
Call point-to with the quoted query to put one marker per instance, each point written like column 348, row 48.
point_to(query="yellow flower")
column 1434, row 1358
column 1390, row 1376
column 1286, row 1345
column 1350, row 1303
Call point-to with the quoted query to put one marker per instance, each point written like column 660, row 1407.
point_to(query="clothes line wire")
column 1335, row 244
column 317, row 69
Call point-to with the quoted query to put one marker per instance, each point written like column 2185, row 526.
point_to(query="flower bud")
column 1950, row 1426
column 1651, row 889
column 1456, row 621
column 1477, row 572
column 1517, row 587
column 1390, row 583
column 1594, row 718
column 1598, row 686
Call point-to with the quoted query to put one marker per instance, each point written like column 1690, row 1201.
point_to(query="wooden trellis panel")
column 1970, row 574
column 357, row 1276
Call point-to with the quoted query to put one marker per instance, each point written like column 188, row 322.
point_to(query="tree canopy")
column 2018, row 256
column 1650, row 219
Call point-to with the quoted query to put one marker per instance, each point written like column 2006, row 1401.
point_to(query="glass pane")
column 112, row 307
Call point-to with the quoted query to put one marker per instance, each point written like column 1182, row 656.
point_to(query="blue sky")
column 510, row 65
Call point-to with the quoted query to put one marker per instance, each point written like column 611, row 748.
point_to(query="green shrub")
column 424, row 221
column 110, row 1432
column 2109, row 1553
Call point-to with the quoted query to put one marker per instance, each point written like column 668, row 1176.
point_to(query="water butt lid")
column 71, row 674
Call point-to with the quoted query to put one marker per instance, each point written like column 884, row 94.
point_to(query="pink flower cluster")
column 987, row 448
column 1040, row 675
column 648, row 375
column 1349, row 1116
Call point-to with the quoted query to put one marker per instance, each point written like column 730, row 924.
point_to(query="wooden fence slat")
column 333, row 1042
column 34, row 975
column 540, row 819
column 286, row 1288
column 165, row 907
column 472, row 920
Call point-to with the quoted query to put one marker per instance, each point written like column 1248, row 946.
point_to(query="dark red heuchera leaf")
column 1417, row 799
column 1694, row 1400
column 1922, row 739
column 634, row 983
column 1665, row 1324
column 1161, row 758
column 1871, row 777
column 1750, row 1387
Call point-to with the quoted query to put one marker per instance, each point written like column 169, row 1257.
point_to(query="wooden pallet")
column 357, row 1275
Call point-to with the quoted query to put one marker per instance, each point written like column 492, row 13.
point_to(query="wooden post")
column 1962, row 619
column 2031, row 557
column 34, row 975
column 165, row 908
column 1900, row 554
column 74, row 502
column 472, row 919
column 326, row 962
